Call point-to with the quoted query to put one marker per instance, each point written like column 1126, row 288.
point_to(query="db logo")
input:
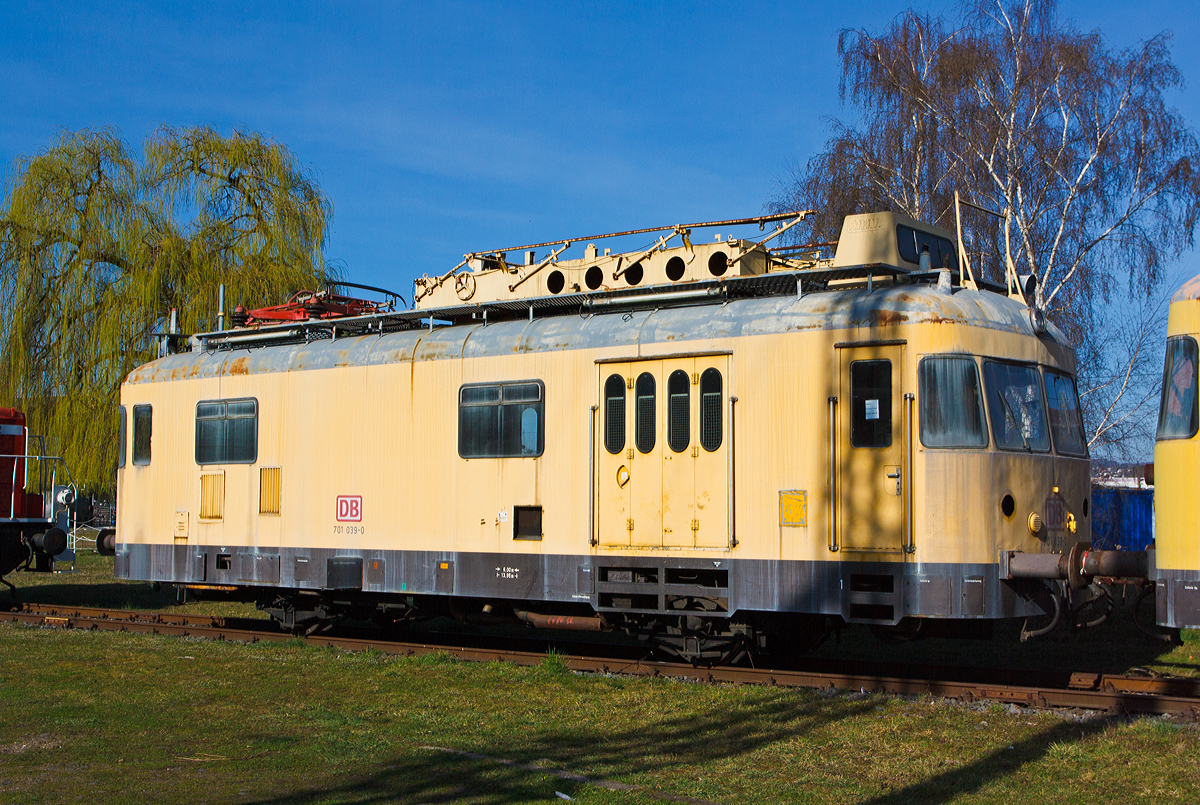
column 349, row 509
column 1056, row 513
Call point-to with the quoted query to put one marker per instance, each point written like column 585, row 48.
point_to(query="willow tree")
column 98, row 244
column 1026, row 115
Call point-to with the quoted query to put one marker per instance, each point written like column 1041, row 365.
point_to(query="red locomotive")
column 31, row 535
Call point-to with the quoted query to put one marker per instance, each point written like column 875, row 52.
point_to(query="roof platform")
column 717, row 291
column 877, row 248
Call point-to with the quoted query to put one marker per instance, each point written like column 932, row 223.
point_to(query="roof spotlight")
column 1037, row 320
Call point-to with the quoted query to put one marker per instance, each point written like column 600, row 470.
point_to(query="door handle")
column 895, row 476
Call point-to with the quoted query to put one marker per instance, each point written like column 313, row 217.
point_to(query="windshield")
column 1014, row 395
column 1065, row 422
column 951, row 403
column 1177, row 411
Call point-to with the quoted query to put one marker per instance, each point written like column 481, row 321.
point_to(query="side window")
column 614, row 414
column 946, row 255
column 910, row 242
column 871, row 404
column 951, row 403
column 906, row 243
column 1177, row 410
column 122, row 439
column 501, row 420
column 1014, row 397
column 644, row 390
column 227, row 432
column 143, row 417
column 1066, row 424
column 710, row 409
column 679, row 411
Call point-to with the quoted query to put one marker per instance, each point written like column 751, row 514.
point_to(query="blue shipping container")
column 1122, row 519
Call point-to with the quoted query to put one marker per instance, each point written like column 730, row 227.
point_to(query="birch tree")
column 98, row 243
column 1022, row 113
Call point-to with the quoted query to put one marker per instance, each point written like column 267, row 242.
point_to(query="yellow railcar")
column 1177, row 469
column 718, row 444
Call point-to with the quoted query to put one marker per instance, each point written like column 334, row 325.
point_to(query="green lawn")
column 121, row 717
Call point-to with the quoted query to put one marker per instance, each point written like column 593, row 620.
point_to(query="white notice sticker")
column 502, row 516
column 872, row 409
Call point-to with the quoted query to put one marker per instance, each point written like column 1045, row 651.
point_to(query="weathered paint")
column 377, row 416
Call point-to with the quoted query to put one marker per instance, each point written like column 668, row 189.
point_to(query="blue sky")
column 443, row 128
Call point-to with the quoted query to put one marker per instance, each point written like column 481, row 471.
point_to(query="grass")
column 119, row 717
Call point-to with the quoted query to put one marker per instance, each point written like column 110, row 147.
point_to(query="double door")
column 662, row 453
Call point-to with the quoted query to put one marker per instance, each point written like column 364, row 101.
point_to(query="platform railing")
column 47, row 465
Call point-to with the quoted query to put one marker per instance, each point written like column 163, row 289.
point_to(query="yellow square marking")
column 793, row 507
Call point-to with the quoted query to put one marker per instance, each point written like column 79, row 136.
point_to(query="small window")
column 871, row 404
column 710, row 409
column 951, row 403
column 1066, row 424
column 143, row 418
column 121, row 436
column 645, row 393
column 1177, row 413
column 527, row 522
column 910, row 243
column 501, row 420
column 1014, row 397
column 679, row 408
column 614, row 414
column 227, row 432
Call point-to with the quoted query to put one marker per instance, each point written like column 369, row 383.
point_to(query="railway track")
column 1045, row 690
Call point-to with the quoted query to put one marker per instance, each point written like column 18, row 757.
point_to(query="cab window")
column 1014, row 402
column 951, row 403
column 1066, row 423
column 1177, row 410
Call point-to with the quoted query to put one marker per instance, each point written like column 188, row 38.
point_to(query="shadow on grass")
column 429, row 776
column 969, row 778
column 436, row 778
column 690, row 744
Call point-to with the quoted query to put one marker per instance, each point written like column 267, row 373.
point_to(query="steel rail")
column 1086, row 691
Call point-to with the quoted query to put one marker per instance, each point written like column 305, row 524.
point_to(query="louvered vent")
column 268, row 490
column 212, row 496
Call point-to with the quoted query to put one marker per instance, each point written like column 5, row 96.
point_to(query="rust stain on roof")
column 887, row 318
column 241, row 366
